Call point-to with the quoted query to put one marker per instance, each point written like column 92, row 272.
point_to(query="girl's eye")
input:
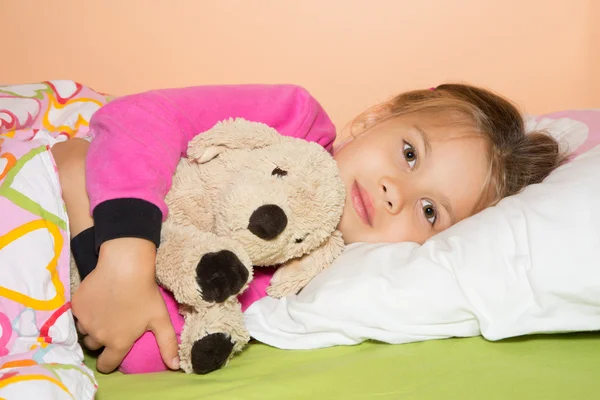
column 429, row 211
column 410, row 155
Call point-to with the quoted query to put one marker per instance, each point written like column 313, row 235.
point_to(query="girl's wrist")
column 128, row 256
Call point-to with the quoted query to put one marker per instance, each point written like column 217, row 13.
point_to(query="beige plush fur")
column 227, row 175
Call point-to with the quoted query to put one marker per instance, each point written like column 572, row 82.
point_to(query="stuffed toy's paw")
column 288, row 280
column 296, row 273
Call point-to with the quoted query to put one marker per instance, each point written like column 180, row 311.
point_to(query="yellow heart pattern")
column 27, row 294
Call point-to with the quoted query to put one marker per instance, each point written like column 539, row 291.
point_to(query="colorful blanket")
column 40, row 357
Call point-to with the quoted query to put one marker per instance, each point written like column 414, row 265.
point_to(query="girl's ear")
column 368, row 118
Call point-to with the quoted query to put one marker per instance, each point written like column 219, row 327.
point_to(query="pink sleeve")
column 139, row 139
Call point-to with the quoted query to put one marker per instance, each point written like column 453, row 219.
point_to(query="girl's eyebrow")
column 445, row 202
column 424, row 138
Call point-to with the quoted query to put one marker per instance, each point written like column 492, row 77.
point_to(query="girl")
column 413, row 166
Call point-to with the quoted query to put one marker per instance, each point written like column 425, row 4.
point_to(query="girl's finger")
column 91, row 343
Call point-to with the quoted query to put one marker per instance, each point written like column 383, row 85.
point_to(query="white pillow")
column 531, row 264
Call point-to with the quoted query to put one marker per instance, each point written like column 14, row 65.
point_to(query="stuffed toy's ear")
column 231, row 134
column 295, row 274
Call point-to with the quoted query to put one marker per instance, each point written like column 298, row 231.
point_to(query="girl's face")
column 410, row 177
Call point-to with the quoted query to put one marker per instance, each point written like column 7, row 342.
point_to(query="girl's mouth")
column 362, row 203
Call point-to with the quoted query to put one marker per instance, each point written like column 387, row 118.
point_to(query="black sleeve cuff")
column 120, row 218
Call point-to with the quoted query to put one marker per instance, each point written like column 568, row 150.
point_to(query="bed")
column 536, row 367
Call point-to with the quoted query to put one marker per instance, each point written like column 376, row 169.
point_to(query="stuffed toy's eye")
column 279, row 172
column 300, row 240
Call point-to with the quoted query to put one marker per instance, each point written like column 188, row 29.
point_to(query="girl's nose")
column 391, row 195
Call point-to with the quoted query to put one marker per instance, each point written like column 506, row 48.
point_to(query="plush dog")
column 244, row 197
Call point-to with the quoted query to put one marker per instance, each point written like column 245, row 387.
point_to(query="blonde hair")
column 517, row 158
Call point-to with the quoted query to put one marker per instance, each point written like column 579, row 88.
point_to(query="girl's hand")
column 120, row 300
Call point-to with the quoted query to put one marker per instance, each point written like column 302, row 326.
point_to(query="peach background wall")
column 348, row 53
column 595, row 39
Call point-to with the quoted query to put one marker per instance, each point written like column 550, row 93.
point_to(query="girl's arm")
column 138, row 141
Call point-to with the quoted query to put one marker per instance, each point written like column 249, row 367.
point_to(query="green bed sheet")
column 536, row 367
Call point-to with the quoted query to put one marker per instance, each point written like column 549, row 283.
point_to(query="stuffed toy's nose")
column 267, row 221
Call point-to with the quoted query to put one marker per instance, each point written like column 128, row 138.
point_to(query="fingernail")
column 176, row 363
